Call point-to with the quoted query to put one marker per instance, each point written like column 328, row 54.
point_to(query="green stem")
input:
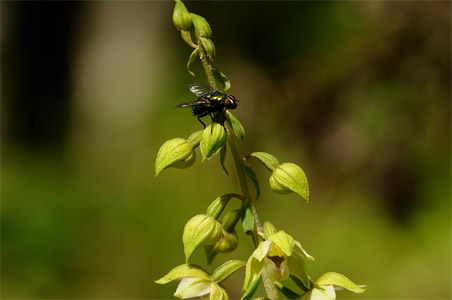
column 206, row 66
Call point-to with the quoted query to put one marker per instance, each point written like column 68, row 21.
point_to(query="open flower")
column 194, row 282
column 278, row 256
column 325, row 286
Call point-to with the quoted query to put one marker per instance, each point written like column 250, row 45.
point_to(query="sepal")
column 186, row 270
column 222, row 272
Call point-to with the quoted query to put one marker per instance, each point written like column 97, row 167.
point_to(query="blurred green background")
column 356, row 92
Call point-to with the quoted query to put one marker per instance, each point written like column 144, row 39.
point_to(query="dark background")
column 357, row 93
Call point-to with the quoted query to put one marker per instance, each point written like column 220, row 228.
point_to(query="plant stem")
column 206, row 66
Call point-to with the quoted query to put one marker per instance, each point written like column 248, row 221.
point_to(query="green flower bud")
column 231, row 219
column 213, row 139
column 227, row 243
column 201, row 26
column 288, row 178
column 181, row 16
column 200, row 230
column 177, row 153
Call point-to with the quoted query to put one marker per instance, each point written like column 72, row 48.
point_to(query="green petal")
column 262, row 250
column 303, row 252
column 338, row 280
column 284, row 241
column 269, row 229
column 297, row 268
column 218, row 293
column 186, row 270
column 221, row 273
column 253, row 269
column 193, row 287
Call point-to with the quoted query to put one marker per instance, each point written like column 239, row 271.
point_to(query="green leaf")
column 253, row 178
column 288, row 178
column 200, row 230
column 192, row 58
column 247, row 219
column 213, row 139
column 251, row 289
column 236, row 126
column 223, row 152
column 339, row 280
column 298, row 271
column 286, row 291
column 221, row 273
column 208, row 46
column 221, row 78
column 177, row 153
column 186, row 270
column 268, row 160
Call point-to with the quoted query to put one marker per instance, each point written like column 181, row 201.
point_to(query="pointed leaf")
column 220, row 77
column 268, row 160
column 221, row 273
column 286, row 291
column 339, row 280
column 253, row 178
column 247, row 220
column 192, row 58
column 236, row 126
column 251, row 289
column 222, row 159
column 186, row 270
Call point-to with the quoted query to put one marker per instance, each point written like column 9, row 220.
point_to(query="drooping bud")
column 200, row 230
column 181, row 16
column 213, row 139
column 227, row 243
column 288, row 178
column 231, row 219
column 201, row 26
column 177, row 153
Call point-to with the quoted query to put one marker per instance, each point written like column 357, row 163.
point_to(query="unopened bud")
column 201, row 26
column 181, row 16
column 177, row 153
column 200, row 230
column 213, row 139
column 288, row 178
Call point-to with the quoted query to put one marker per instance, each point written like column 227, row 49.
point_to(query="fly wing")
column 199, row 88
column 190, row 104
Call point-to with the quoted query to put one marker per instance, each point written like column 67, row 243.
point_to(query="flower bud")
column 177, row 153
column 231, row 219
column 181, row 16
column 200, row 230
column 288, row 178
column 201, row 26
column 227, row 243
column 213, row 139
